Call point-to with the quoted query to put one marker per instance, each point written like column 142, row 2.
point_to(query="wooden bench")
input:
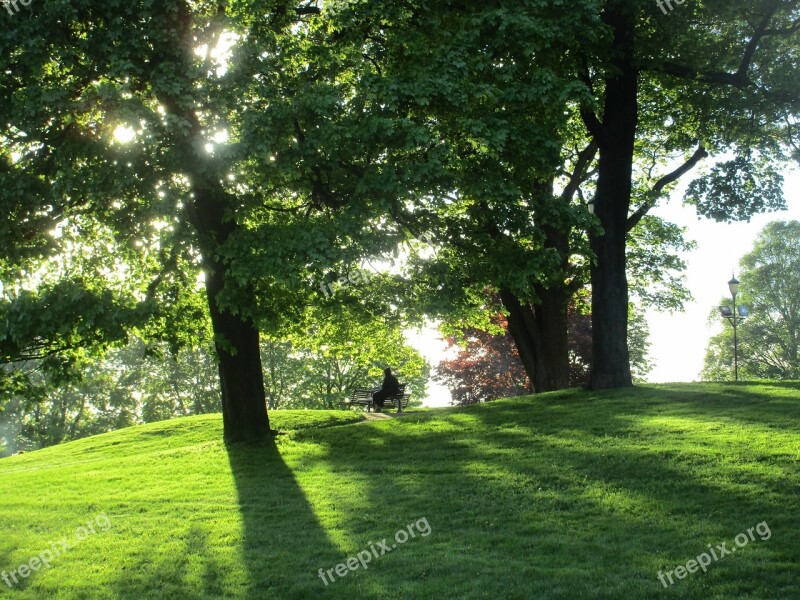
column 363, row 397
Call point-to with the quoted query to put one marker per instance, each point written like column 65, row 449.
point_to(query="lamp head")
column 733, row 286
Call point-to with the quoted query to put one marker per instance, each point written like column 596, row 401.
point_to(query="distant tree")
column 769, row 339
column 179, row 385
column 347, row 349
column 142, row 383
column 134, row 384
column 639, row 344
column 486, row 368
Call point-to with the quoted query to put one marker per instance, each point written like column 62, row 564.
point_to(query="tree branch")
column 752, row 45
column 307, row 10
column 585, row 157
column 690, row 164
column 593, row 124
column 672, row 177
column 740, row 78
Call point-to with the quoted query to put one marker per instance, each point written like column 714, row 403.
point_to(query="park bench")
column 363, row 397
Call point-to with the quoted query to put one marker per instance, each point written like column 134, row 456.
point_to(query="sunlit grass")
column 565, row 495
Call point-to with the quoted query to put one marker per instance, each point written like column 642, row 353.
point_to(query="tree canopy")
column 198, row 172
column 169, row 148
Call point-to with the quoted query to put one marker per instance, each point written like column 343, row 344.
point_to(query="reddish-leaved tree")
column 489, row 367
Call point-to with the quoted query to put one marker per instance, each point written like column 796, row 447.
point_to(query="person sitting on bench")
column 390, row 387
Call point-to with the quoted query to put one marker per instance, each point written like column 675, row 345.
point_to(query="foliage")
column 655, row 265
column 769, row 339
column 488, row 111
column 133, row 384
column 312, row 376
column 639, row 344
column 343, row 348
column 735, row 190
column 143, row 383
column 486, row 368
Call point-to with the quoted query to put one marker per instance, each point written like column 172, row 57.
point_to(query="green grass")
column 565, row 495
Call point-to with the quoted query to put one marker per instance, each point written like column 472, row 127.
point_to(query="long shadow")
column 264, row 542
column 639, row 501
column 740, row 402
column 194, row 572
column 743, row 403
column 282, row 561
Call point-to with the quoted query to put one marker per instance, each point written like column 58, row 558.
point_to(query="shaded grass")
column 565, row 495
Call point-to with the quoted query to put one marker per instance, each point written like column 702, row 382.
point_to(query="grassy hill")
column 565, row 495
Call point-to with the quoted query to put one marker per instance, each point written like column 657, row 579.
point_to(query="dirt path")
column 372, row 416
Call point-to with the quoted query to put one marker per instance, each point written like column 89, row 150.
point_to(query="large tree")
column 487, row 86
column 769, row 338
column 174, row 143
column 508, row 160
column 708, row 78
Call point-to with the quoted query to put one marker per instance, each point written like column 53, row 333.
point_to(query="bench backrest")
column 367, row 394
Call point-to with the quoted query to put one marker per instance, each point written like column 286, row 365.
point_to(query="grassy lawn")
column 565, row 495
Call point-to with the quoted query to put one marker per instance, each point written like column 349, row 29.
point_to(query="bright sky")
column 428, row 343
column 678, row 341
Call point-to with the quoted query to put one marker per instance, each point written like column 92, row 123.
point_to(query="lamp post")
column 735, row 316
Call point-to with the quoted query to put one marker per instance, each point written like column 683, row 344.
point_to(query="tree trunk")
column 540, row 335
column 244, row 409
column 540, row 331
column 236, row 338
column 617, row 135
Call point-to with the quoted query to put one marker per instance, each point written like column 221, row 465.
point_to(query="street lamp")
column 735, row 316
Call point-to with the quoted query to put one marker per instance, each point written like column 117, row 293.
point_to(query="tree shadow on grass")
column 745, row 403
column 193, row 572
column 552, row 504
column 259, row 541
column 283, row 543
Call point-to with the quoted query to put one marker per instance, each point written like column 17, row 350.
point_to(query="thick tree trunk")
column 611, row 360
column 610, row 356
column 210, row 212
column 541, row 331
column 244, row 409
column 236, row 338
column 540, row 335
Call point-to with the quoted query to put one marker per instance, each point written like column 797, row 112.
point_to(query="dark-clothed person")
column 390, row 387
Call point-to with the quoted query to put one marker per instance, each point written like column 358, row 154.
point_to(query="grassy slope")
column 566, row 495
